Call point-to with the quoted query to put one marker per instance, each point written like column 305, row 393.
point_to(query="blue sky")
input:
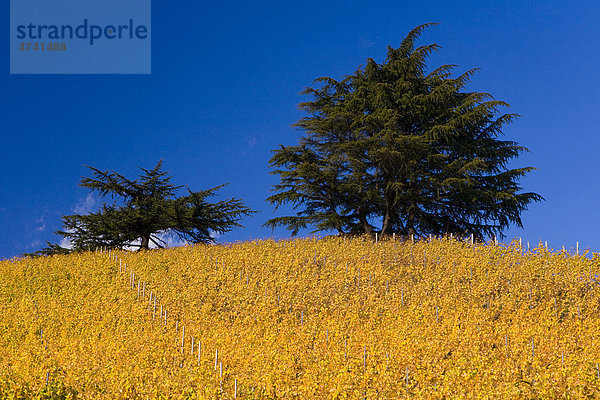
column 225, row 86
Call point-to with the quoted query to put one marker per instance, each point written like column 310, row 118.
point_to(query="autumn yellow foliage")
column 332, row 318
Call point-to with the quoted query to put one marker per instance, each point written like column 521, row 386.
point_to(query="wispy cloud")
column 169, row 240
column 365, row 43
column 85, row 205
column 41, row 224
column 34, row 244
column 251, row 141
column 66, row 243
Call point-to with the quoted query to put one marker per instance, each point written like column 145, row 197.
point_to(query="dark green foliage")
column 50, row 249
column 397, row 146
column 147, row 207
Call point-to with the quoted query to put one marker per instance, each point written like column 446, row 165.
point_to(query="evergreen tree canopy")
column 403, row 148
column 146, row 209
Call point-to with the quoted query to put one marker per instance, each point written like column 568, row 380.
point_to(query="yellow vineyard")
column 306, row 319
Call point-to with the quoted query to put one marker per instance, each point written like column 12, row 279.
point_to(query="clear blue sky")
column 224, row 90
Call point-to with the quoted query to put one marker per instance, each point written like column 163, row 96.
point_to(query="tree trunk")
column 386, row 224
column 388, row 218
column 410, row 224
column 363, row 219
column 145, row 242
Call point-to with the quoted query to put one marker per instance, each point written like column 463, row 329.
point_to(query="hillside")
column 306, row 319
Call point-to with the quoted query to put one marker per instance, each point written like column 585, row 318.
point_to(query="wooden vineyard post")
column 182, row 338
